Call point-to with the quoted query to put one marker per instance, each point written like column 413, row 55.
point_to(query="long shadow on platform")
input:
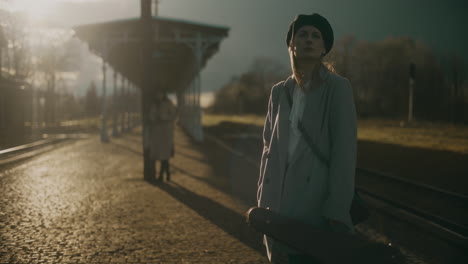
column 132, row 138
column 139, row 153
column 181, row 153
column 199, row 178
column 228, row 220
column 219, row 187
column 178, row 151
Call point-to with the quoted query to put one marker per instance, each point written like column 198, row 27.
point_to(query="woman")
column 312, row 184
column 163, row 114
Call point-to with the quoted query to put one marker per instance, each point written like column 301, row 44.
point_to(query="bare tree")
column 3, row 44
column 52, row 57
column 249, row 92
column 18, row 53
column 456, row 79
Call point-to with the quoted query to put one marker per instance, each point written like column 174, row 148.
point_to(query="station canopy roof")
column 174, row 48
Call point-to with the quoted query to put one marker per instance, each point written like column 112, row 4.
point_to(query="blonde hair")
column 316, row 78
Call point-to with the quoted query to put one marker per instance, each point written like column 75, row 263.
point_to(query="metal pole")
column 197, row 118
column 130, row 105
column 155, row 2
column 411, row 91
column 138, row 104
column 1, row 55
column 115, row 131
column 121, row 105
column 3, row 44
column 135, row 106
column 149, row 169
column 410, row 107
column 104, row 137
column 125, row 104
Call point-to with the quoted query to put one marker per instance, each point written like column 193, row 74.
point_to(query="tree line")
column 43, row 59
column 379, row 73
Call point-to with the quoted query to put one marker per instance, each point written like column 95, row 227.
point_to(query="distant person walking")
column 310, row 137
column 163, row 114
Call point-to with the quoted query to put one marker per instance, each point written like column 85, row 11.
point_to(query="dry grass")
column 86, row 122
column 215, row 119
column 439, row 136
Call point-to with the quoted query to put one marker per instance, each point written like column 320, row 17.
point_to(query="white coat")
column 308, row 190
column 162, row 130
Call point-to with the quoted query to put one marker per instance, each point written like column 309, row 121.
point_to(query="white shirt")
column 295, row 115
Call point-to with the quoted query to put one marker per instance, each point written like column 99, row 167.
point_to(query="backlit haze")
column 258, row 27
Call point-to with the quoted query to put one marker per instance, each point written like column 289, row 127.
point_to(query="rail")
column 14, row 154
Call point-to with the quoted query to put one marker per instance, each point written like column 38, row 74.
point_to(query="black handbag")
column 359, row 211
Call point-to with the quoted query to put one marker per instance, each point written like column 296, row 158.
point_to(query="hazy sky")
column 258, row 27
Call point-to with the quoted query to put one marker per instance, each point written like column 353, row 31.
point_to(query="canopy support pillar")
column 104, row 136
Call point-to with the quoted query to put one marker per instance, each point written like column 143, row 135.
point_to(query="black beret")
column 315, row 20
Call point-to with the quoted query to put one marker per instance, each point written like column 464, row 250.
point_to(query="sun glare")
column 34, row 10
column 37, row 9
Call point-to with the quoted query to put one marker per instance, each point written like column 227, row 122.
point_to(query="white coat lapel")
column 306, row 120
column 312, row 115
column 284, row 124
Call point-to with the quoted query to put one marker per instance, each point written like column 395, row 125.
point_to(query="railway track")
column 446, row 210
column 432, row 214
column 19, row 153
